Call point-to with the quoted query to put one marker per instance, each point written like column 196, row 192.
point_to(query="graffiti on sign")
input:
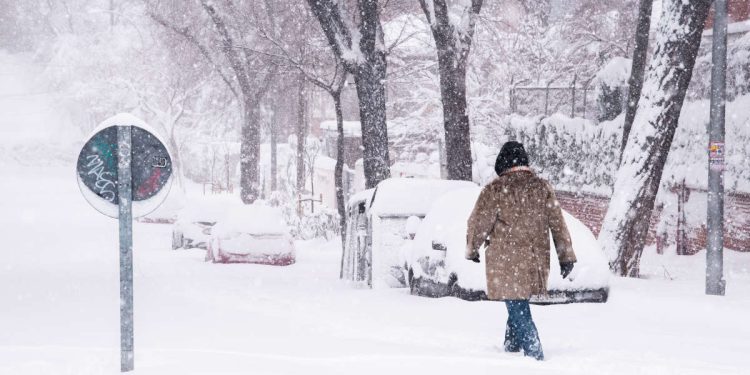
column 150, row 163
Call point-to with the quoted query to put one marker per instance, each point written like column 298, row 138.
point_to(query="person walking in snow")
column 512, row 218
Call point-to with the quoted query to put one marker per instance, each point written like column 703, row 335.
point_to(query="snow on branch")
column 345, row 42
column 453, row 25
column 228, row 43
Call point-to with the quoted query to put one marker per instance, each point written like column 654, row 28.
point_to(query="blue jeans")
column 520, row 331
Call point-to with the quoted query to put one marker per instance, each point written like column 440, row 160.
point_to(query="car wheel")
column 452, row 279
column 177, row 240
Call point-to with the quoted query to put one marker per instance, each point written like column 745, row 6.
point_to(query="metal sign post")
column 125, row 171
column 715, row 284
column 125, row 217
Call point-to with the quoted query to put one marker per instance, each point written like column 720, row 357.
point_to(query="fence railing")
column 573, row 99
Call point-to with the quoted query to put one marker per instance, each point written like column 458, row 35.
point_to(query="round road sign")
column 151, row 167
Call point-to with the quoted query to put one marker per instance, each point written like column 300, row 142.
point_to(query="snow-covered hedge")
column 573, row 154
column 688, row 158
column 578, row 155
column 738, row 70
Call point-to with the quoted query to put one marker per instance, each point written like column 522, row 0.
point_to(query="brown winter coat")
column 515, row 214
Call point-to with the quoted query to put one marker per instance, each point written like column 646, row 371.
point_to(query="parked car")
column 255, row 233
column 192, row 228
column 435, row 264
column 377, row 223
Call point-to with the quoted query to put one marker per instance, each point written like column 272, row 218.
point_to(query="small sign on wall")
column 716, row 156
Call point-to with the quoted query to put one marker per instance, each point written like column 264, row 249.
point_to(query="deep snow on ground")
column 59, row 287
column 59, row 296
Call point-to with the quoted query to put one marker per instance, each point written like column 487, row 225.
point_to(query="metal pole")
column 573, row 94
column 715, row 284
column 125, row 216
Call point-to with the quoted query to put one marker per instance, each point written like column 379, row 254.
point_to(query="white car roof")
column 403, row 197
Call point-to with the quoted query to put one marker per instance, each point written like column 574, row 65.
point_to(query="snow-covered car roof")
column 361, row 196
column 256, row 219
column 447, row 221
column 405, row 197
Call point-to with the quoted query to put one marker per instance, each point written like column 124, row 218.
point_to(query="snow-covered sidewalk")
column 59, row 287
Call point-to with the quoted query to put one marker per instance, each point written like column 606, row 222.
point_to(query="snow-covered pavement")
column 59, row 315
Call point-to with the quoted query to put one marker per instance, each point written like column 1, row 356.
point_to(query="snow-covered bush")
column 738, row 70
column 323, row 223
column 612, row 88
column 688, row 158
column 578, row 155
column 572, row 153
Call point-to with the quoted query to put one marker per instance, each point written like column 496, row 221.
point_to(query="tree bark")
column 274, row 153
column 176, row 160
column 455, row 118
column 250, row 154
column 638, row 69
column 370, row 81
column 626, row 223
column 252, row 93
column 338, row 173
column 301, row 134
column 453, row 46
column 367, row 63
column 371, row 95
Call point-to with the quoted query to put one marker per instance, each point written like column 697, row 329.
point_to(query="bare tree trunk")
column 301, row 134
column 111, row 15
column 338, row 173
column 455, row 119
column 370, row 81
column 371, row 94
column 638, row 69
column 250, row 154
column 367, row 63
column 453, row 42
column 626, row 224
column 274, row 155
column 177, row 161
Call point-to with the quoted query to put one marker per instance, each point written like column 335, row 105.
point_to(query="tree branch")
column 336, row 32
column 229, row 52
column 185, row 33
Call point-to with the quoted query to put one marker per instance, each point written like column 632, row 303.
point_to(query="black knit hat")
column 511, row 155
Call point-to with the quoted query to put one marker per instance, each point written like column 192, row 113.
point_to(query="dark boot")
column 511, row 344
column 533, row 346
column 523, row 329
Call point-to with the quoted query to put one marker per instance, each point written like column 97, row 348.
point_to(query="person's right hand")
column 566, row 269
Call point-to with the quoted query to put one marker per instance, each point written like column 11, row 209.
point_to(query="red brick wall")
column 590, row 210
column 736, row 225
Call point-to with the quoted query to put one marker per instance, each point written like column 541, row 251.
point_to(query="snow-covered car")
column 435, row 263
column 255, row 233
column 377, row 221
column 194, row 222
